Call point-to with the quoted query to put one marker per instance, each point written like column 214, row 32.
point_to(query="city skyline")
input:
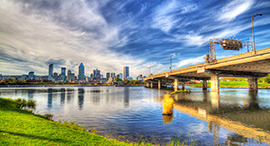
column 111, row 34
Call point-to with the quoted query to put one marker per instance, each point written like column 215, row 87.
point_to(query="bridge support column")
column 159, row 84
column 147, row 84
column 214, row 83
column 151, row 84
column 175, row 84
column 204, row 84
column 183, row 86
column 253, row 83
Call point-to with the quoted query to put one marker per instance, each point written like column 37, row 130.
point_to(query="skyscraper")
column 113, row 75
column 96, row 74
column 126, row 72
column 63, row 73
column 81, row 72
column 108, row 76
column 51, row 72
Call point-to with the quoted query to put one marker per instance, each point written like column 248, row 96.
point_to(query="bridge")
column 251, row 65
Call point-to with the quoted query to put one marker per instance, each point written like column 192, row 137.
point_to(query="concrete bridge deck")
column 249, row 65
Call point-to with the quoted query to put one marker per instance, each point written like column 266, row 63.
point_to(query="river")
column 234, row 116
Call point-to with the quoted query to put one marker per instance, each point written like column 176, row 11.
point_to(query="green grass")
column 22, row 127
column 181, row 91
column 233, row 84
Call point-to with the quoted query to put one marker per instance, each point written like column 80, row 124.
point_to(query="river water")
column 135, row 113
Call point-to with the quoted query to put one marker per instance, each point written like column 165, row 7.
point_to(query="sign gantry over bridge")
column 250, row 65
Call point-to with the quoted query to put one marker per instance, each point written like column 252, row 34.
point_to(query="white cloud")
column 235, row 8
column 167, row 15
column 37, row 38
column 190, row 61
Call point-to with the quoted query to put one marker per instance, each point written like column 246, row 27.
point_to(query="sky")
column 110, row 34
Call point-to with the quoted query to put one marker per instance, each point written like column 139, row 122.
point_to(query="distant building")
column 50, row 72
column 81, row 72
column 70, row 76
column 108, row 75
column 24, row 77
column 113, row 75
column 96, row 74
column 130, row 78
column 1, row 76
column 140, row 77
column 120, row 76
column 126, row 72
column 55, row 76
column 31, row 75
column 63, row 73
column 92, row 76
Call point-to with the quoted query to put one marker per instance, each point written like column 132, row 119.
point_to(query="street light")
column 252, row 17
column 171, row 61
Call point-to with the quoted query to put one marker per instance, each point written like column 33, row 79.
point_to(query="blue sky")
column 111, row 34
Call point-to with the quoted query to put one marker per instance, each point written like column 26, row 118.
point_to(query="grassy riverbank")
column 234, row 84
column 21, row 127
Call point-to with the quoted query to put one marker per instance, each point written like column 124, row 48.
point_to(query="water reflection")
column 63, row 95
column 219, row 119
column 248, row 121
column 215, row 102
column 167, row 118
column 70, row 95
column 50, row 94
column 253, row 100
column 126, row 97
column 30, row 93
column 80, row 98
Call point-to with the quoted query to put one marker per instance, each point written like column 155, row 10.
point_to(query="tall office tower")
column 81, row 72
column 51, row 70
column 92, row 76
column 96, row 74
column 113, row 75
column 121, row 76
column 126, row 72
column 63, row 73
column 50, row 77
column 108, row 76
column 68, row 75
column 55, row 76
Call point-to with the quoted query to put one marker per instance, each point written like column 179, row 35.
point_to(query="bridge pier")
column 172, row 86
column 176, row 84
column 204, row 85
column 159, row 84
column 183, row 86
column 147, row 84
column 214, row 83
column 151, row 84
column 253, row 83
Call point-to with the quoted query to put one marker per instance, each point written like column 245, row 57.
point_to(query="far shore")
column 14, row 86
column 234, row 84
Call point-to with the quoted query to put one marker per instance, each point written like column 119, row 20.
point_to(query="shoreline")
column 32, row 126
column 18, row 86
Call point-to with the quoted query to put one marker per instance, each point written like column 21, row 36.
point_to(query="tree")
column 24, row 81
column 118, row 80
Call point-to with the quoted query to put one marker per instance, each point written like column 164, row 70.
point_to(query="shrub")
column 31, row 103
